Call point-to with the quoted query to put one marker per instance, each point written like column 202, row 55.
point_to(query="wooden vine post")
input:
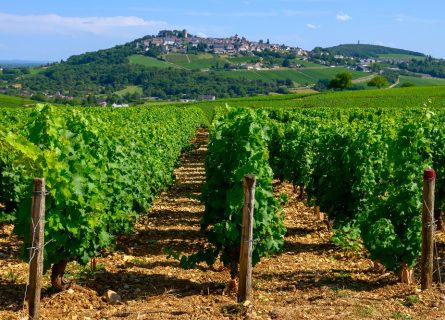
column 36, row 248
column 429, row 179
column 245, row 276
column 320, row 216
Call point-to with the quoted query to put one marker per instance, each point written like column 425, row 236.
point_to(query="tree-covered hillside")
column 368, row 50
column 105, row 74
column 80, row 80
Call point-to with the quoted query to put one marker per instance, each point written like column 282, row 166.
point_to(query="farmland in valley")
column 11, row 101
column 300, row 76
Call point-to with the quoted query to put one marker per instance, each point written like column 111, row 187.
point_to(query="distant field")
column 195, row 61
column 384, row 98
column 33, row 71
column 306, row 63
column 241, row 59
column 9, row 101
column 417, row 81
column 300, row 76
column 149, row 62
column 36, row 70
column 206, row 60
column 303, row 91
column 400, row 57
column 130, row 90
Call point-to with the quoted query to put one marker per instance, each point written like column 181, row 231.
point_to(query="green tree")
column 283, row 90
column 341, row 81
column 286, row 63
column 378, row 81
column 153, row 51
column 322, row 85
column 39, row 97
column 90, row 100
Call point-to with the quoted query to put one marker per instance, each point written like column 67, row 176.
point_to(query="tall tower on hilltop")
column 186, row 35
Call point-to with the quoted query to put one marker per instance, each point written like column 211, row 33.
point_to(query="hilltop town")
column 174, row 41
column 175, row 65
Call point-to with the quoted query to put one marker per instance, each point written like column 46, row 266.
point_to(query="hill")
column 369, row 51
column 367, row 57
column 177, row 69
column 178, row 66
column 105, row 74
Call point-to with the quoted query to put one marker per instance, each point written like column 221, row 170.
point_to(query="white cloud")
column 343, row 17
column 313, row 26
column 55, row 24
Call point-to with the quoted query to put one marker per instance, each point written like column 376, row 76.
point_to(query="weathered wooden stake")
column 429, row 178
column 301, row 193
column 320, row 216
column 36, row 248
column 406, row 274
column 438, row 216
column 245, row 277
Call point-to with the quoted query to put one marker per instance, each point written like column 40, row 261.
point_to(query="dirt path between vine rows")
column 310, row 279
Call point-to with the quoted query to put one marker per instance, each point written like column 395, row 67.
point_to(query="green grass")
column 400, row 57
column 33, row 71
column 195, row 61
column 130, row 90
column 246, row 59
column 299, row 76
column 401, row 316
column 203, row 61
column 241, row 59
column 306, row 63
column 36, row 70
column 149, row 62
column 10, row 101
column 418, row 81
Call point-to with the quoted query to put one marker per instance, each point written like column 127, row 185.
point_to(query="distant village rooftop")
column 175, row 41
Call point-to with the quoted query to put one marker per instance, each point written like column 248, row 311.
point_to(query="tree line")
column 80, row 80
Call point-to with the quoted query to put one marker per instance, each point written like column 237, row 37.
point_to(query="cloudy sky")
column 51, row 30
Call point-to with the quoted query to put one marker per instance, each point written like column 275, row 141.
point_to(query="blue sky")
column 55, row 29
